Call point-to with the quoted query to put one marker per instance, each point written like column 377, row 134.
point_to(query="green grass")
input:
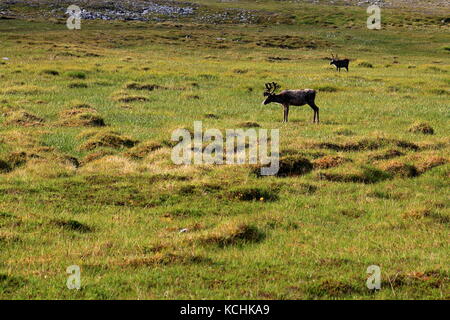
column 375, row 192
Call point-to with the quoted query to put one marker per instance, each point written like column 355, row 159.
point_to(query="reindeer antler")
column 271, row 87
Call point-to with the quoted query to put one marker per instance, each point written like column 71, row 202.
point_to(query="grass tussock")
column 126, row 98
column 399, row 169
column 430, row 161
column 143, row 149
column 389, row 154
column 50, row 72
column 108, row 140
column 145, row 86
column 8, row 237
column 294, row 165
column 328, row 89
column 419, row 279
column 344, row 132
column 10, row 284
column 421, row 127
column 248, row 124
column 365, row 64
column 176, row 257
column 72, row 225
column 109, row 164
column 328, row 162
column 76, row 74
column 360, row 145
column 23, row 90
column 4, row 166
column 331, row 288
column 23, row 118
column 44, row 169
column 231, row 233
column 81, row 116
column 250, row 193
column 366, row 175
column 289, row 165
column 98, row 154
column 77, row 85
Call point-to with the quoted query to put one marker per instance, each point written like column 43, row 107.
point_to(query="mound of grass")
column 363, row 144
column 252, row 194
column 294, row 165
column 108, row 140
column 23, row 90
column 50, row 72
column 389, row 154
column 128, row 99
column 290, row 42
column 331, row 288
column 231, row 233
column 248, row 124
column 406, row 145
column 17, row 158
column 9, row 284
column 21, row 157
column 211, row 116
column 83, row 116
column 97, row 155
column 367, row 175
column 425, row 279
column 23, row 118
column 430, row 162
column 164, row 258
column 144, row 86
column 329, row 162
column 78, row 85
column 440, row 92
column 8, row 237
column 365, row 64
column 4, row 166
column 344, row 132
column 76, row 74
column 421, row 127
column 143, row 149
column 328, row 89
column 400, row 169
column 192, row 97
column 72, row 225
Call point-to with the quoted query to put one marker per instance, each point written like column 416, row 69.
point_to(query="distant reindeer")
column 339, row 63
column 291, row 98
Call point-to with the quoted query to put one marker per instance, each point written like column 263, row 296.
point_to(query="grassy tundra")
column 86, row 177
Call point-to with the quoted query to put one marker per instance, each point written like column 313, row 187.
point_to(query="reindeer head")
column 271, row 88
column 333, row 59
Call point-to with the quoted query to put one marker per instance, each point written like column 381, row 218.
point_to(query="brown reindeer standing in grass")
column 291, row 98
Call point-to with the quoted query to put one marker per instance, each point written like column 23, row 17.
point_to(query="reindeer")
column 339, row 63
column 291, row 98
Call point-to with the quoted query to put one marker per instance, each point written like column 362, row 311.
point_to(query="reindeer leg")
column 284, row 114
column 287, row 113
column 316, row 111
